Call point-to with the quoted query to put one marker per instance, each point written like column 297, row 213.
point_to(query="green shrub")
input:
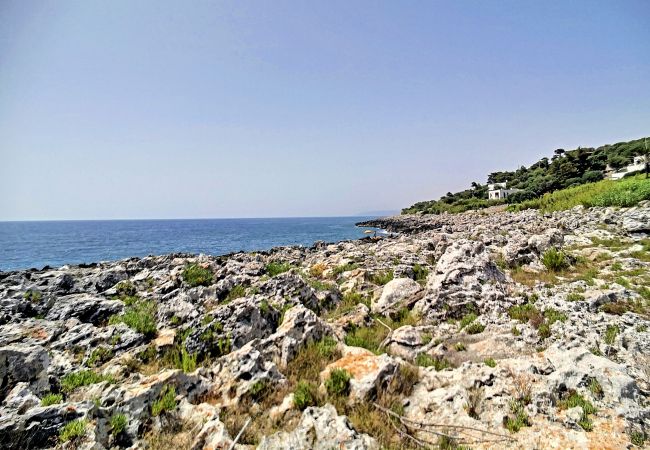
column 638, row 438
column 420, row 272
column 490, row 362
column 140, row 316
column 382, row 277
column 81, row 378
column 118, row 424
column 467, row 319
column 259, row 389
column 574, row 399
column 51, row 399
column 555, row 260
column 460, row 347
column 73, row 431
column 196, row 275
column 518, row 419
column 167, row 402
column 553, row 315
column 338, row 384
column 523, row 313
column 304, row 395
column 276, row 268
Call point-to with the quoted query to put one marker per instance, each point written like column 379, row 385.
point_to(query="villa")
column 499, row 191
column 638, row 164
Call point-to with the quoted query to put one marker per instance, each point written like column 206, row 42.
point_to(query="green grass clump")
column 638, row 438
column 623, row 193
column 73, row 431
column 518, row 419
column 420, row 273
column 33, row 295
column 460, row 347
column 167, row 402
column 382, row 277
column 575, row 297
column 424, row 360
column 553, row 315
column 467, row 319
column 523, row 313
column 276, row 268
column 196, row 275
column 490, row 362
column 338, row 270
column 474, row 328
column 140, row 316
column 338, row 384
column 125, row 289
column 118, row 424
column 574, row 399
column 610, row 334
column 304, row 395
column 99, row 356
column 259, row 389
column 51, row 399
column 81, row 378
column 555, row 260
column 236, row 292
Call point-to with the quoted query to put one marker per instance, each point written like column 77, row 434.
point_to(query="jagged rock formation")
column 472, row 322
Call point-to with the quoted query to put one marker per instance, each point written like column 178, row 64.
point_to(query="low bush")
column 196, row 275
column 140, row 316
column 338, row 270
column 490, row 362
column 73, row 431
column 438, row 363
column 276, row 268
column 381, row 278
column 555, row 260
column 304, row 395
column 236, row 292
column 338, row 383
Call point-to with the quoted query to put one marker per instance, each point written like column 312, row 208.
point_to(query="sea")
column 25, row 245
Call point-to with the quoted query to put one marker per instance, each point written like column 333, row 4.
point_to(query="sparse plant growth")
column 574, row 297
column 338, row 270
column 166, row 402
column 474, row 328
column 275, row 268
column 99, row 356
column 638, row 438
column 595, row 388
column 32, row 295
column 118, row 424
column 140, row 316
column 73, row 431
column 317, row 270
column 574, row 399
column 236, row 292
column 424, row 360
column 196, row 275
column 466, row 320
column 51, row 399
column 517, row 419
column 474, row 401
column 125, row 289
column 81, row 378
column 460, row 347
column 381, row 277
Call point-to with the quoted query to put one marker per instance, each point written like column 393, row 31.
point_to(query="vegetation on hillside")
column 565, row 169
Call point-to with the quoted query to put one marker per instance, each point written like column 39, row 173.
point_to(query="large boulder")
column 299, row 327
column 465, row 280
column 396, row 294
column 23, row 363
column 320, row 429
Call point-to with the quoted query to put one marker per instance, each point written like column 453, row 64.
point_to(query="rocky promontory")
column 477, row 330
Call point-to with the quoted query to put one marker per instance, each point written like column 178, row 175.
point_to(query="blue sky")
column 161, row 109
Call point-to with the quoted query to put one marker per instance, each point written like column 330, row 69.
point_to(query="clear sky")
column 174, row 109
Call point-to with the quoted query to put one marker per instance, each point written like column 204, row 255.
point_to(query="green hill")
column 565, row 169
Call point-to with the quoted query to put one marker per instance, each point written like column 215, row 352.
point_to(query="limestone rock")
column 396, row 294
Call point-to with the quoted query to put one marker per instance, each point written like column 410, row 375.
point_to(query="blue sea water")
column 36, row 244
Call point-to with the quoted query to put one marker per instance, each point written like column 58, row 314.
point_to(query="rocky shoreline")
column 482, row 329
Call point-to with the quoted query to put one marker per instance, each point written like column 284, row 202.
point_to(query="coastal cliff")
column 480, row 329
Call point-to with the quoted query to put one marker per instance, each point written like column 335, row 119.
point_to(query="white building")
column 498, row 191
column 638, row 164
